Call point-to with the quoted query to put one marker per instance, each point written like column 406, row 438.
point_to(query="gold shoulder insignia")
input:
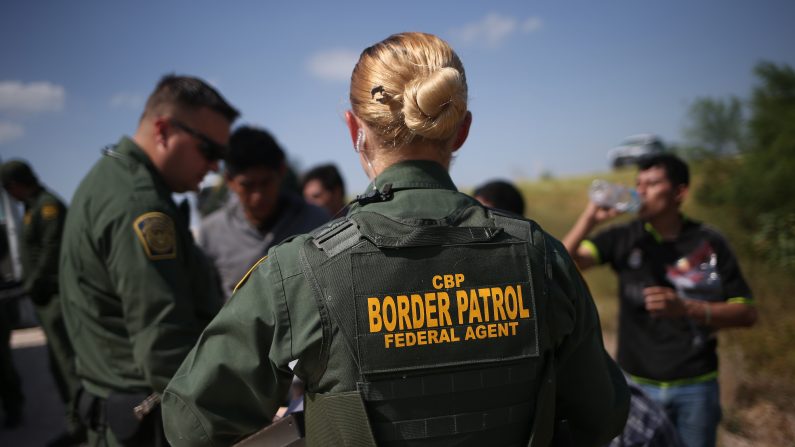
column 49, row 212
column 248, row 273
column 156, row 232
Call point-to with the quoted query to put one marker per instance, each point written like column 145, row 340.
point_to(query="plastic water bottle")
column 613, row 195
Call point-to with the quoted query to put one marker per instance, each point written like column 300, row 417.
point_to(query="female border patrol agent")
column 421, row 318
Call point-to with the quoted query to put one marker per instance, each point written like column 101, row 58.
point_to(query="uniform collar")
column 128, row 151
column 414, row 174
column 128, row 148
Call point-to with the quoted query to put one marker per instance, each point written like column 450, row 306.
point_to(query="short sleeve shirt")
column 699, row 264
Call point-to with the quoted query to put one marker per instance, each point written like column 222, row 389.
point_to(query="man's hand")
column 664, row 302
column 591, row 216
column 599, row 214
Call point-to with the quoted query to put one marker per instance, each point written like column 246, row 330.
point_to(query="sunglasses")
column 211, row 150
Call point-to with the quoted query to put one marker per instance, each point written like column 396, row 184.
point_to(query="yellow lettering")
column 492, row 330
column 430, row 309
column 453, row 337
column 484, row 294
column 403, row 312
column 400, row 339
column 374, row 312
column 474, row 308
column 437, row 282
column 461, row 298
column 470, row 333
column 449, row 281
column 411, row 338
column 417, row 311
column 510, row 302
column 432, row 336
column 390, row 316
column 480, row 331
column 502, row 329
column 389, row 338
column 444, row 336
column 523, row 311
column 422, row 338
column 497, row 301
column 513, row 325
column 459, row 278
column 444, row 308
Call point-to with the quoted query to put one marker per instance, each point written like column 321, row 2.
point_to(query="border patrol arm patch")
column 157, row 234
column 49, row 212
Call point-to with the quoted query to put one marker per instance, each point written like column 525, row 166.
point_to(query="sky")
column 553, row 85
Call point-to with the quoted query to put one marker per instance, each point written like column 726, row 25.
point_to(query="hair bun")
column 434, row 105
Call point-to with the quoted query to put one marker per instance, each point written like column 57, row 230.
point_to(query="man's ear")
column 160, row 128
column 463, row 131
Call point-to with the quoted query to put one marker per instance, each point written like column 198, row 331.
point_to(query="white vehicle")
column 633, row 148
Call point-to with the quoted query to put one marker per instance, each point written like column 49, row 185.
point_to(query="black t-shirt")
column 699, row 264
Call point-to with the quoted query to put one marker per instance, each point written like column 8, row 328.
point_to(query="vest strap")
column 440, row 384
column 452, row 424
column 337, row 419
column 339, row 238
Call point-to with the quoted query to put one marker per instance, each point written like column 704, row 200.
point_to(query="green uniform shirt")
column 136, row 290
column 41, row 241
column 235, row 378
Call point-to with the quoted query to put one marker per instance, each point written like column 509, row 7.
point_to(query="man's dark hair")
column 328, row 175
column 17, row 171
column 251, row 147
column 502, row 195
column 676, row 170
column 189, row 93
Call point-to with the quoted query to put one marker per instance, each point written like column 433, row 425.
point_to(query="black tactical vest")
column 444, row 326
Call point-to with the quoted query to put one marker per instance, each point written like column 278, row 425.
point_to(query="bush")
column 757, row 185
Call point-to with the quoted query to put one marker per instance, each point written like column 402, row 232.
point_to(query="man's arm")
column 590, row 217
column 230, row 386
column 148, row 267
column 51, row 221
column 663, row 302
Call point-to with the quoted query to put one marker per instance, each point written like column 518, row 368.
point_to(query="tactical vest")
column 445, row 326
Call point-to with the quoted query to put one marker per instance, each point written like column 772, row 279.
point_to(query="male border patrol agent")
column 422, row 318
column 137, row 291
column 41, row 242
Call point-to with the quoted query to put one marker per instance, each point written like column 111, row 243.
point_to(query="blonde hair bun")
column 435, row 104
column 410, row 87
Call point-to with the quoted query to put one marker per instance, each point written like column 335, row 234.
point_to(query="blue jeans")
column 693, row 409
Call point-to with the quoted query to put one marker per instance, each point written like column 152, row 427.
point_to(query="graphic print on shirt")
column 695, row 275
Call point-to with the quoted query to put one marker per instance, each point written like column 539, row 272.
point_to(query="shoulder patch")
column 248, row 273
column 156, row 232
column 49, row 212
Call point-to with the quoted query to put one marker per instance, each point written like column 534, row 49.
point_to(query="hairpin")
column 384, row 98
